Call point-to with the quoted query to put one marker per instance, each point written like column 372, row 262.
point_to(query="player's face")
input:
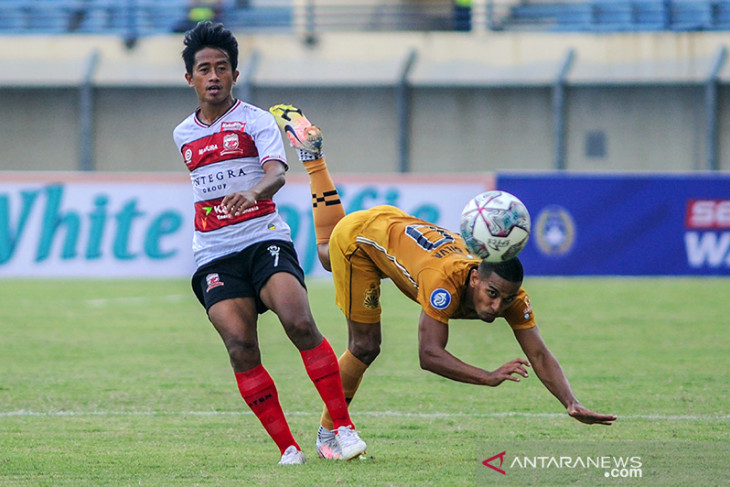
column 213, row 76
column 492, row 296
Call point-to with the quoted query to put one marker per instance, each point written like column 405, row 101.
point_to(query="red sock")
column 322, row 367
column 258, row 390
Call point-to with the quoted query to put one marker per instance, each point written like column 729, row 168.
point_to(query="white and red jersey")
column 227, row 157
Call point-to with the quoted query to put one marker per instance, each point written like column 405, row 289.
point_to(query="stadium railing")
column 135, row 18
column 618, row 15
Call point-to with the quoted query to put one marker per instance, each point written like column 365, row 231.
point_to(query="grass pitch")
column 126, row 383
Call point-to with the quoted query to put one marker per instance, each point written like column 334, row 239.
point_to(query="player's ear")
column 474, row 277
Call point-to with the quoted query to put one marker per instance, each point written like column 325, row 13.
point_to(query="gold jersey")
column 429, row 264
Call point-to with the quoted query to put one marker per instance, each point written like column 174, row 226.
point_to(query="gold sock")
column 351, row 371
column 327, row 208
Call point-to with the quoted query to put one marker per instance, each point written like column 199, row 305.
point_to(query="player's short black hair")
column 510, row 270
column 208, row 34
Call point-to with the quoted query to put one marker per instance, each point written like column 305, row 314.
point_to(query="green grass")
column 126, row 383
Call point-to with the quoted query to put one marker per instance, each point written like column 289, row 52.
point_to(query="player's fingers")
column 522, row 361
column 520, row 369
column 229, row 203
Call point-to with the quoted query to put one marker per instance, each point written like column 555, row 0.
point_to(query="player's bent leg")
column 286, row 297
column 336, row 442
column 235, row 320
column 323, row 253
column 352, row 370
column 327, row 208
column 364, row 340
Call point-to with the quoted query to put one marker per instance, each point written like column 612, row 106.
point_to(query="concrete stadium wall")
column 476, row 102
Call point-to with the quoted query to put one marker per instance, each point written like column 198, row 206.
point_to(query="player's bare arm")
column 273, row 180
column 551, row 374
column 432, row 339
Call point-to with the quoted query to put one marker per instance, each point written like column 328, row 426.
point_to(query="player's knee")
column 323, row 253
column 303, row 332
column 366, row 350
column 244, row 354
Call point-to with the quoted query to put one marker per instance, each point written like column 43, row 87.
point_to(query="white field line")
column 139, row 300
column 394, row 414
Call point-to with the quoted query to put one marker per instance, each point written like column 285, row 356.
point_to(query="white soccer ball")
column 495, row 226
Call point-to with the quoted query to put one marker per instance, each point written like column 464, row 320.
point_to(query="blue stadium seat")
column 260, row 17
column 721, row 17
column 651, row 15
column 611, row 15
column 557, row 16
column 12, row 18
column 48, row 16
column 691, row 15
column 104, row 17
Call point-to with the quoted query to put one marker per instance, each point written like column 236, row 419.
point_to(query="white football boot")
column 292, row 456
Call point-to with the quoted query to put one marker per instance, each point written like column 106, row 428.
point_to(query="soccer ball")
column 495, row 226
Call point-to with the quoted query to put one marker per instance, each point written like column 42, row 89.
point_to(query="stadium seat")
column 611, row 15
column 689, row 15
column 721, row 17
column 556, row 16
column 12, row 18
column 651, row 15
column 260, row 17
column 48, row 16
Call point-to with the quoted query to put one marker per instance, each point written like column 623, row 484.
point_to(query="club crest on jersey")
column 230, row 143
column 372, row 297
column 528, row 308
column 213, row 281
column 440, row 298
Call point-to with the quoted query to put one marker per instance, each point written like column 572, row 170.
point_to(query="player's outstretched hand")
column 589, row 417
column 516, row 366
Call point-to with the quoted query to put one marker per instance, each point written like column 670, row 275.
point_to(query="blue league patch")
column 440, row 298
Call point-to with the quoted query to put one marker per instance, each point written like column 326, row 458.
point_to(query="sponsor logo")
column 608, row 466
column 213, row 281
column 707, row 239
column 216, row 181
column 440, row 298
column 207, row 148
column 708, row 214
column 274, row 251
column 487, row 463
column 233, row 126
column 554, row 231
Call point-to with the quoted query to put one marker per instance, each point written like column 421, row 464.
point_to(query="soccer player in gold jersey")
column 431, row 266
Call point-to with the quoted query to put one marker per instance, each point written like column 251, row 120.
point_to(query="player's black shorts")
column 243, row 274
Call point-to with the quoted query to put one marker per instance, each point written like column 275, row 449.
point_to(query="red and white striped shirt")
column 226, row 157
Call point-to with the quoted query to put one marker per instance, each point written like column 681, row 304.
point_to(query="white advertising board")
column 116, row 225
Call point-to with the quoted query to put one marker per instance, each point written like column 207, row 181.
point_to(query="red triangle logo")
column 501, row 460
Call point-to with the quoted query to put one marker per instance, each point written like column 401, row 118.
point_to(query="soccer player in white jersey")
column 245, row 257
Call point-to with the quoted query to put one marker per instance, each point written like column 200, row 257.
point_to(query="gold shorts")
column 355, row 264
